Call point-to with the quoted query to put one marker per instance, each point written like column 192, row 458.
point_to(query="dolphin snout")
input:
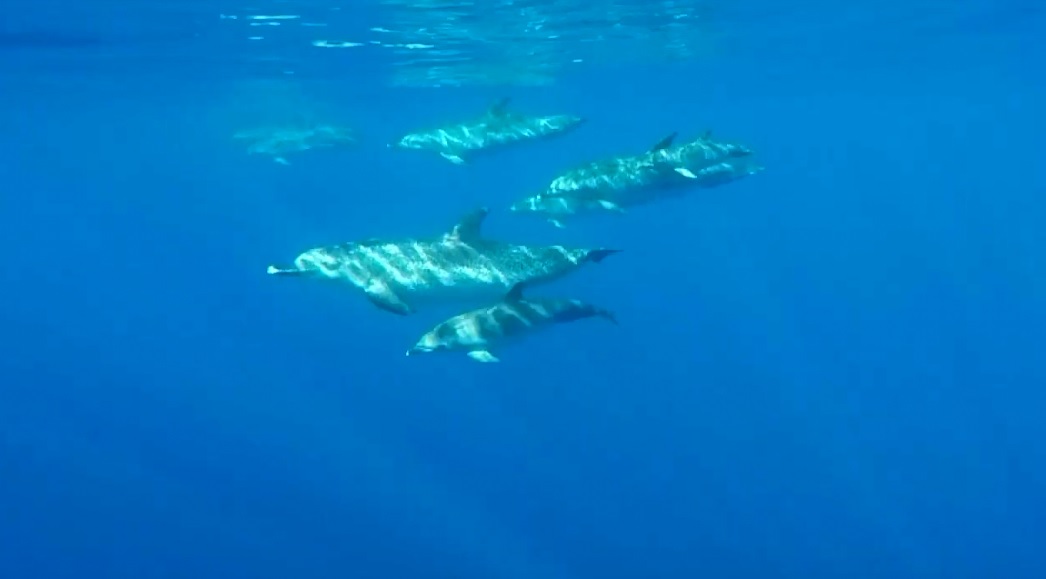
column 428, row 343
column 282, row 270
column 419, row 349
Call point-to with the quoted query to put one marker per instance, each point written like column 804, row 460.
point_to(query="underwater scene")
column 520, row 289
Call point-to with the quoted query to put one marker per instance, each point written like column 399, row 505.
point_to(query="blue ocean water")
column 832, row 368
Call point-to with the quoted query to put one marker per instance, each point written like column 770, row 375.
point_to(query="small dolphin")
column 498, row 128
column 613, row 185
column 278, row 143
column 514, row 317
column 460, row 266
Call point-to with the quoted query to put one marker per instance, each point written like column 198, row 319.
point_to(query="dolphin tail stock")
column 287, row 271
column 598, row 255
column 607, row 315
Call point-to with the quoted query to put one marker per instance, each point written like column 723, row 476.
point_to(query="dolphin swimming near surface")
column 479, row 331
column 613, row 185
column 399, row 275
column 498, row 128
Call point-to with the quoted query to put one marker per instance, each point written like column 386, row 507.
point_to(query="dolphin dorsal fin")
column 664, row 143
column 515, row 294
column 470, row 226
column 707, row 135
column 499, row 108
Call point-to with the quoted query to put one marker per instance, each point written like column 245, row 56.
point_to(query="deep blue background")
column 830, row 369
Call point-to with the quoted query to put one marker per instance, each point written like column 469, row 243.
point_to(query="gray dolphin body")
column 497, row 129
column 458, row 267
column 479, row 331
column 614, row 185
column 278, row 143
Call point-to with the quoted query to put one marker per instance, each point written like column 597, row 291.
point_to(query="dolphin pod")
column 466, row 268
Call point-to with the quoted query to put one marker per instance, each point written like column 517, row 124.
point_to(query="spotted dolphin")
column 613, row 185
column 479, row 331
column 401, row 275
column 498, row 128
column 278, row 143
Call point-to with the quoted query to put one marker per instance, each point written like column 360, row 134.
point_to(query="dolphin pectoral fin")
column 281, row 161
column 685, row 172
column 611, row 206
column 381, row 296
column 289, row 271
column 557, row 223
column 456, row 159
column 483, row 356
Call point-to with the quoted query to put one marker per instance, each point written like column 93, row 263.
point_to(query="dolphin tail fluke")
column 273, row 270
column 598, row 255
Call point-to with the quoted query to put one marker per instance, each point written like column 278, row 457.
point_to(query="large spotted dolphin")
column 613, row 185
column 480, row 331
column 498, row 128
column 400, row 275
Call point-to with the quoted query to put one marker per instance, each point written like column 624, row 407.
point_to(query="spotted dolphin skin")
column 498, row 128
column 614, row 185
column 480, row 331
column 458, row 267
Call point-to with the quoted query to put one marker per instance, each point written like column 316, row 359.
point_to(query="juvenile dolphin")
column 498, row 128
column 399, row 275
column 613, row 185
column 278, row 143
column 479, row 331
